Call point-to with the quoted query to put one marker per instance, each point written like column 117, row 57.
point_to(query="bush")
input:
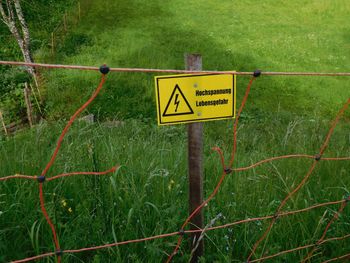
column 11, row 90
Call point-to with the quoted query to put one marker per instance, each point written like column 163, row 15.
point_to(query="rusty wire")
column 304, row 180
column 300, row 248
column 175, row 71
column 335, row 217
column 42, row 178
column 347, row 256
column 317, row 158
column 239, row 169
column 222, row 178
column 248, row 220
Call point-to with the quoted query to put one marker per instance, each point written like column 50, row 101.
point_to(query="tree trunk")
column 13, row 14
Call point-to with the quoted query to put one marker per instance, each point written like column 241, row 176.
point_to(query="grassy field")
column 148, row 194
column 240, row 35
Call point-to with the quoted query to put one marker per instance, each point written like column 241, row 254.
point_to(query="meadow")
column 148, row 194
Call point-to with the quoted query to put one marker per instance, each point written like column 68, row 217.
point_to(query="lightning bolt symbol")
column 176, row 102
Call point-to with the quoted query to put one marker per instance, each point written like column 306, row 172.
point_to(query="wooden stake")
column 195, row 167
column 3, row 123
column 52, row 43
column 65, row 22
column 28, row 104
column 36, row 99
column 79, row 11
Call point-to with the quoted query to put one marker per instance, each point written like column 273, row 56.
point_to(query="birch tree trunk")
column 12, row 15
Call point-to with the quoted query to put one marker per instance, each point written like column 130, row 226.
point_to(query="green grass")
column 233, row 35
column 148, row 195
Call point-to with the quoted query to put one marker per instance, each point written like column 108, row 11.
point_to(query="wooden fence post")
column 195, row 168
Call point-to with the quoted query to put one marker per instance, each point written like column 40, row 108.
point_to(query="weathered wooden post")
column 52, row 43
column 79, row 11
column 195, row 167
column 26, row 92
column 65, row 21
column 3, row 123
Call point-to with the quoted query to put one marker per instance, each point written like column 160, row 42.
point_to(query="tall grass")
column 148, row 194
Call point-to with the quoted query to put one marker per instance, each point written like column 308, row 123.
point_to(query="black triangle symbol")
column 179, row 98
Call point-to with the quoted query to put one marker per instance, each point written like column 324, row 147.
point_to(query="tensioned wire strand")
column 175, row 71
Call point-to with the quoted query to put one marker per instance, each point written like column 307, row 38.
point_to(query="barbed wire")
column 226, row 170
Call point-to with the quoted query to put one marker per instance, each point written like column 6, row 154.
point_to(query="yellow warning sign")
column 195, row 98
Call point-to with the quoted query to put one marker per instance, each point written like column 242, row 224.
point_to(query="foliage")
column 11, row 93
column 44, row 16
column 12, row 79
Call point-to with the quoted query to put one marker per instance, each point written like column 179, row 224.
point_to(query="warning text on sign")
column 195, row 98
